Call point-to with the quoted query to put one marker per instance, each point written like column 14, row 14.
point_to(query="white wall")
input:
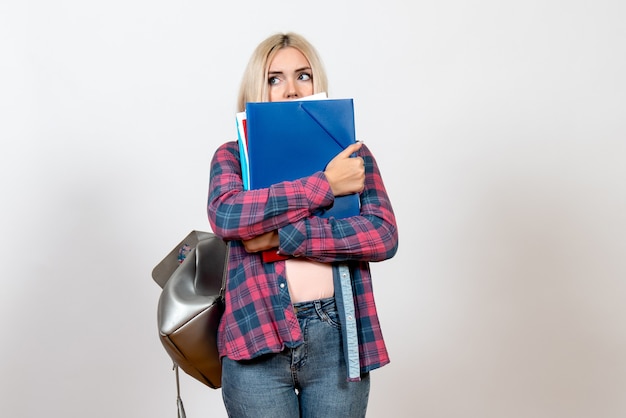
column 500, row 131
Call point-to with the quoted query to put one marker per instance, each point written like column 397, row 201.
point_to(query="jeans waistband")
column 308, row 308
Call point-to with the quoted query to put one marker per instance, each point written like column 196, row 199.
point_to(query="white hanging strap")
column 351, row 344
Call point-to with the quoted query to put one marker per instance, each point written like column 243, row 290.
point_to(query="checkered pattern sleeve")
column 372, row 236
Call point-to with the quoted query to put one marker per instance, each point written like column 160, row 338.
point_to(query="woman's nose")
column 291, row 91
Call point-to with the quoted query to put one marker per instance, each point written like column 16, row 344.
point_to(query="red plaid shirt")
column 259, row 317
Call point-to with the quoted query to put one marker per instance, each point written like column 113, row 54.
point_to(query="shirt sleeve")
column 371, row 236
column 236, row 214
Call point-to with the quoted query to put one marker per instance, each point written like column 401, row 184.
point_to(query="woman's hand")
column 345, row 174
column 262, row 242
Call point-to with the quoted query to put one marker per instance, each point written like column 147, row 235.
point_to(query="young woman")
column 299, row 336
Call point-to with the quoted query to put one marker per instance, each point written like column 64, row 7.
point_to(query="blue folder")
column 294, row 139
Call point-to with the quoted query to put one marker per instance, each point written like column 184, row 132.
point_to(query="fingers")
column 262, row 242
column 350, row 149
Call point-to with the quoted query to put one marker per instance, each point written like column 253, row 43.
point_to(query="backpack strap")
column 179, row 401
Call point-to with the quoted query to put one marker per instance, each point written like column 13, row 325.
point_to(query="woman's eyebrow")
column 297, row 70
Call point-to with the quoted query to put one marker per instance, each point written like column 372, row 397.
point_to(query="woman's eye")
column 305, row 77
column 273, row 81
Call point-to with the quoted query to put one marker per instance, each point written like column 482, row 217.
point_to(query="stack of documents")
column 285, row 141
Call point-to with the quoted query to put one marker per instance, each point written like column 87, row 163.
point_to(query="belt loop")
column 320, row 312
column 318, row 305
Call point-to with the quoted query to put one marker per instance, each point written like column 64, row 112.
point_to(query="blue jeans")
column 308, row 381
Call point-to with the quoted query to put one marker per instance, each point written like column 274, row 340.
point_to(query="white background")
column 500, row 130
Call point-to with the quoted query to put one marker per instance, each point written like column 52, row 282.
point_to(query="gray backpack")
column 193, row 278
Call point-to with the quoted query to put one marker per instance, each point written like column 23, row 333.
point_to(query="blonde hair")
column 254, row 84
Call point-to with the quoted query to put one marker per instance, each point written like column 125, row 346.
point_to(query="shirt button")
column 282, row 285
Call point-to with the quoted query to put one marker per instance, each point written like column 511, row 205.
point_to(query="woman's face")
column 289, row 76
